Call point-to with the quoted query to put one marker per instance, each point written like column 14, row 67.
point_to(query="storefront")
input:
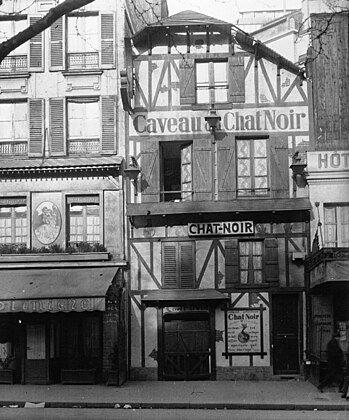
column 58, row 324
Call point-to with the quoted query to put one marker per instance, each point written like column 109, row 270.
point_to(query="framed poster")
column 244, row 331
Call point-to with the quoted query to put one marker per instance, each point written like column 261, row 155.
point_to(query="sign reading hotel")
column 276, row 119
column 244, row 331
column 328, row 161
column 221, row 228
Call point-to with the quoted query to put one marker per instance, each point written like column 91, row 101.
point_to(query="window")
column 176, row 171
column 13, row 225
column 211, row 82
column 13, row 128
column 84, row 220
column 252, row 167
column 83, row 42
column 83, row 125
column 336, row 225
column 178, row 259
column 251, row 262
column 17, row 60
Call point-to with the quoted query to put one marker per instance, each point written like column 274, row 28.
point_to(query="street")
column 171, row 414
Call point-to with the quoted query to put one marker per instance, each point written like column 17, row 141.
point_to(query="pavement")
column 294, row 394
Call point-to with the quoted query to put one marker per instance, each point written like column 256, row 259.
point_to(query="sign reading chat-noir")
column 221, row 228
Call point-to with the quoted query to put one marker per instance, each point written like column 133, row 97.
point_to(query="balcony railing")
column 83, row 146
column 13, row 148
column 327, row 255
column 14, row 63
column 79, row 61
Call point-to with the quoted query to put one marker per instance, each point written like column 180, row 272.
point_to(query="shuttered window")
column 212, row 82
column 336, row 218
column 251, row 262
column 17, row 60
column 36, row 54
column 178, row 265
column 14, row 128
column 252, row 167
column 13, row 225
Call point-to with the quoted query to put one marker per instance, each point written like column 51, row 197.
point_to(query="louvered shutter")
column 202, row 169
column 57, row 127
column 226, row 168
column 36, row 62
column 232, row 275
column 187, row 81
column 170, row 265
column 57, row 45
column 36, row 127
column 107, row 30
column 186, row 268
column 236, row 79
column 271, row 261
column 150, row 184
column 279, row 167
column 108, row 143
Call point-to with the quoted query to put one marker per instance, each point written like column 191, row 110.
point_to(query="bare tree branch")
column 53, row 14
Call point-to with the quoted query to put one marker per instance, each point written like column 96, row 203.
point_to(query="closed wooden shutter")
column 202, row 169
column 36, row 127
column 271, row 260
column 226, row 169
column 57, row 127
column 36, row 62
column 170, row 265
column 187, row 81
column 107, row 40
column 57, row 45
column 186, row 270
column 236, row 79
column 178, row 265
column 279, row 167
column 150, row 184
column 232, row 275
column 108, row 143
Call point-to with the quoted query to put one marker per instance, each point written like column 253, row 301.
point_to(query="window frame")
column 337, row 225
column 211, row 84
column 251, row 271
column 14, row 227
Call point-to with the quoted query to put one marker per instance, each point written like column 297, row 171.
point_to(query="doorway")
column 36, row 362
column 285, row 336
column 187, row 353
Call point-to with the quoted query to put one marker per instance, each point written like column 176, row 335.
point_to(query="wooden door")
column 286, row 346
column 36, row 363
column 187, row 353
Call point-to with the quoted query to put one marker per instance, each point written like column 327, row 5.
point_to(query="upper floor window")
column 178, row 265
column 212, row 82
column 13, row 224
column 176, row 171
column 336, row 230
column 13, row 128
column 83, row 41
column 251, row 262
column 83, row 220
column 252, row 167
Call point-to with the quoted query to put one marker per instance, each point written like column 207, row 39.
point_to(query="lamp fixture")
column 212, row 119
column 132, row 170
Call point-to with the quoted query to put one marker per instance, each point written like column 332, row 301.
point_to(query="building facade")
column 218, row 224
column 62, row 247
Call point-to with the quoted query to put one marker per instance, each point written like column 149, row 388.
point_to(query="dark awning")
column 177, row 296
column 55, row 290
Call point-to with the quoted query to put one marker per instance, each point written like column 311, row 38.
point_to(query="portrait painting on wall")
column 47, row 222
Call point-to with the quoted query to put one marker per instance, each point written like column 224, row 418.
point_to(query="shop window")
column 336, row 229
column 13, row 225
column 178, row 270
column 212, row 82
column 250, row 262
column 176, row 171
column 83, row 42
column 83, row 220
column 83, row 125
column 252, row 167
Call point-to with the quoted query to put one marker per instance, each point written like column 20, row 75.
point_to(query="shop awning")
column 179, row 296
column 55, row 290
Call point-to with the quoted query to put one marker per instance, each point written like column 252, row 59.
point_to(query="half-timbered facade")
column 217, row 222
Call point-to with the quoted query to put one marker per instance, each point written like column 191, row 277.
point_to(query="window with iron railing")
column 17, row 60
column 13, row 129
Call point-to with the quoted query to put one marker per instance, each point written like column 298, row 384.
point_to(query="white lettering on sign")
column 242, row 120
column 221, row 228
column 328, row 161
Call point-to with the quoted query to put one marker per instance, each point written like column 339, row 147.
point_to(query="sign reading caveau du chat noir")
column 221, row 228
column 276, row 119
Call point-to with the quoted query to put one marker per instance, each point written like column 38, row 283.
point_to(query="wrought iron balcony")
column 79, row 61
column 83, row 146
column 14, row 63
column 13, row 148
column 327, row 255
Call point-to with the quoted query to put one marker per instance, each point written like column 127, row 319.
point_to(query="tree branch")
column 53, row 14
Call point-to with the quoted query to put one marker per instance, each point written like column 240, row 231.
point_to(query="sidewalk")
column 268, row 395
